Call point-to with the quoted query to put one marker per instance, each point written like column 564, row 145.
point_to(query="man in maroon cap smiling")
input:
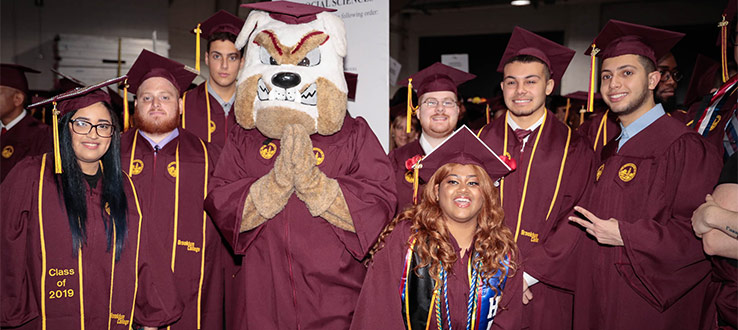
column 438, row 113
column 648, row 270
column 21, row 135
column 553, row 166
column 206, row 111
column 171, row 168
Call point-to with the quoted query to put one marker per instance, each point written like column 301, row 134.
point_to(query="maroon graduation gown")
column 29, row 137
column 380, row 302
column 403, row 176
column 41, row 275
column 543, row 233
column 725, row 272
column 195, row 117
column 198, row 271
column 299, row 271
column 594, row 129
column 659, row 278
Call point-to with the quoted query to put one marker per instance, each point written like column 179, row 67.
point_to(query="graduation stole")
column 419, row 293
column 184, row 236
column 62, row 277
column 211, row 124
column 708, row 118
column 530, row 165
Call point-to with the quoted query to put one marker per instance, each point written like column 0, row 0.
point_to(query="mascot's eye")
column 311, row 59
column 265, row 58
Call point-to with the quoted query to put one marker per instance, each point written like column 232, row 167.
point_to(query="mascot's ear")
column 336, row 30
column 255, row 17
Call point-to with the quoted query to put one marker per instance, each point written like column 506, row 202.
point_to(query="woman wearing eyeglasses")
column 71, row 252
column 438, row 112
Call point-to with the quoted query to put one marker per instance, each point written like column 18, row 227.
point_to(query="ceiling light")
column 520, row 2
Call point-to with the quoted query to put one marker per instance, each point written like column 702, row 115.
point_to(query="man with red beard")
column 206, row 109
column 171, row 168
column 644, row 267
column 554, row 166
column 438, row 112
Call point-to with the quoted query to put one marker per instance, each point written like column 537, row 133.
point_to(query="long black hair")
column 73, row 188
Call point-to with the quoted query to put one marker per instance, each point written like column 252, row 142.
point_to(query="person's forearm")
column 724, row 220
column 716, row 242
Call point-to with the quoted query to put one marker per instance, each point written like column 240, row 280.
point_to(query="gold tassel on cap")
column 487, row 111
column 55, row 126
column 197, row 47
column 590, row 94
column 723, row 25
column 126, row 115
column 410, row 107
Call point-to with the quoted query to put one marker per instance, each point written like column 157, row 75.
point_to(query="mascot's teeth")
column 310, row 95
column 263, row 90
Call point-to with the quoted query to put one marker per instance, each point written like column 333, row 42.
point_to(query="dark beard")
column 152, row 127
column 669, row 104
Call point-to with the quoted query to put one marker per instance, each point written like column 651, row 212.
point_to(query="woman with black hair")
column 71, row 253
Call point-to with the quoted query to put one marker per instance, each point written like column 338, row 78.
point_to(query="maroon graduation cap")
column 524, row 42
column 702, row 80
column 67, row 82
column 222, row 21
column 464, row 147
column 150, row 65
column 289, row 12
column 438, row 77
column 620, row 38
column 13, row 75
column 74, row 100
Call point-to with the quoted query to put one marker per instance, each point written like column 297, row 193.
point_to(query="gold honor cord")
column 602, row 128
column 561, row 172
column 207, row 104
column 202, row 255
column 133, row 153
column 138, row 245
column 112, row 278
column 42, row 240
column 81, row 291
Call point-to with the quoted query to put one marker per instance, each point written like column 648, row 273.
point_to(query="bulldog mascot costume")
column 302, row 189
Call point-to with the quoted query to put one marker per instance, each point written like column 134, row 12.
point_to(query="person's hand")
column 605, row 231
column 527, row 294
column 701, row 215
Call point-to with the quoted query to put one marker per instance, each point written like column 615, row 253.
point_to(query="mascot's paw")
column 301, row 156
column 269, row 196
column 250, row 218
column 338, row 214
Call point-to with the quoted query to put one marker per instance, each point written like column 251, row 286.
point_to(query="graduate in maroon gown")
column 21, row 135
column 449, row 261
column 438, row 113
column 718, row 120
column 553, row 170
column 301, row 189
column 171, row 168
column 646, row 269
column 73, row 251
column 207, row 110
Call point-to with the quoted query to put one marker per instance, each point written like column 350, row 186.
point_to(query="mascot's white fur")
column 292, row 86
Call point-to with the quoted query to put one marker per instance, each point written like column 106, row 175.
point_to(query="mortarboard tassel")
column 416, row 170
column 487, row 111
column 410, row 107
column 126, row 119
column 723, row 25
column 197, row 47
column 581, row 115
column 590, row 94
column 55, row 126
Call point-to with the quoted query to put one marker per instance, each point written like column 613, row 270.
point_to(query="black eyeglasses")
column 674, row 74
column 84, row 127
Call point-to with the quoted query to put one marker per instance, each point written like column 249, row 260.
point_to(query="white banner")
column 367, row 35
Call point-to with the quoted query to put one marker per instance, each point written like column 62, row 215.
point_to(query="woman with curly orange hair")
column 447, row 262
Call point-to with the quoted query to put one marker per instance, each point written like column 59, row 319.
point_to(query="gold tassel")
column 566, row 113
column 487, row 111
column 55, row 126
column 197, row 47
column 723, row 25
column 126, row 115
column 410, row 107
column 590, row 94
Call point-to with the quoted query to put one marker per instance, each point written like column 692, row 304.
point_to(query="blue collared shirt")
column 627, row 132
column 173, row 135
